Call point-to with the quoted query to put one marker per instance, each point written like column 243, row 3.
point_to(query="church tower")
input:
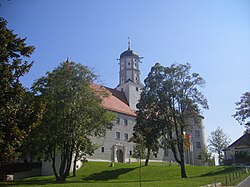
column 129, row 76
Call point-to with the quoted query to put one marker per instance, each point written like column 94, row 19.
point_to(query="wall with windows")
column 198, row 142
column 119, row 136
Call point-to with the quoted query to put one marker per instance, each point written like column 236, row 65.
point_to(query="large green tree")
column 19, row 112
column 174, row 100
column 146, row 131
column 218, row 140
column 242, row 114
column 73, row 114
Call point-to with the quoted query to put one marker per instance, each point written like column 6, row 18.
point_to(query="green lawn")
column 94, row 174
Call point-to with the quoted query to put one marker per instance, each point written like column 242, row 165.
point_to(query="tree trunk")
column 180, row 161
column 181, row 151
column 53, row 155
column 140, row 172
column 183, row 169
column 62, row 167
column 69, row 161
column 147, row 157
column 219, row 158
column 63, row 164
column 75, row 160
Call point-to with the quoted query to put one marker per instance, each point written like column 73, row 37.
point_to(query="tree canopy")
column 242, row 114
column 170, row 99
column 146, row 132
column 218, row 140
column 73, row 114
column 19, row 112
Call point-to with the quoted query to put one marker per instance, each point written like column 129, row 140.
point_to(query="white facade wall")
column 108, row 145
column 198, row 142
column 48, row 170
column 132, row 92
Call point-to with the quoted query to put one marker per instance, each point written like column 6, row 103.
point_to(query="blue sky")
column 212, row 35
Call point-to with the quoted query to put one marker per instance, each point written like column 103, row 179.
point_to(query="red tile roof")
column 115, row 101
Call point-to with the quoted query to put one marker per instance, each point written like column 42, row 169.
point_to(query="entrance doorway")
column 120, row 156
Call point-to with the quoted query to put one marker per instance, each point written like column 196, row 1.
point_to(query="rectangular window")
column 198, row 145
column 197, row 133
column 125, row 122
column 165, row 151
column 118, row 121
column 130, row 153
column 102, row 149
column 117, row 135
column 126, row 136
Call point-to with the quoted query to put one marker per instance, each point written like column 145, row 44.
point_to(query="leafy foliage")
column 242, row 114
column 241, row 154
column 169, row 100
column 146, row 131
column 207, row 157
column 73, row 114
column 19, row 112
column 218, row 140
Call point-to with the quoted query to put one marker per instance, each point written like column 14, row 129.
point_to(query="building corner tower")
column 129, row 76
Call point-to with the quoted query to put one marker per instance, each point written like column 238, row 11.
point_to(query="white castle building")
column 115, row 146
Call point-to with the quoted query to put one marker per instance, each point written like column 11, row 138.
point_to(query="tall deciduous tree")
column 74, row 113
column 18, row 112
column 146, row 129
column 218, row 140
column 242, row 114
column 174, row 100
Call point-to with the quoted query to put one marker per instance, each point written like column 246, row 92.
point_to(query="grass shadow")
column 213, row 173
column 108, row 174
